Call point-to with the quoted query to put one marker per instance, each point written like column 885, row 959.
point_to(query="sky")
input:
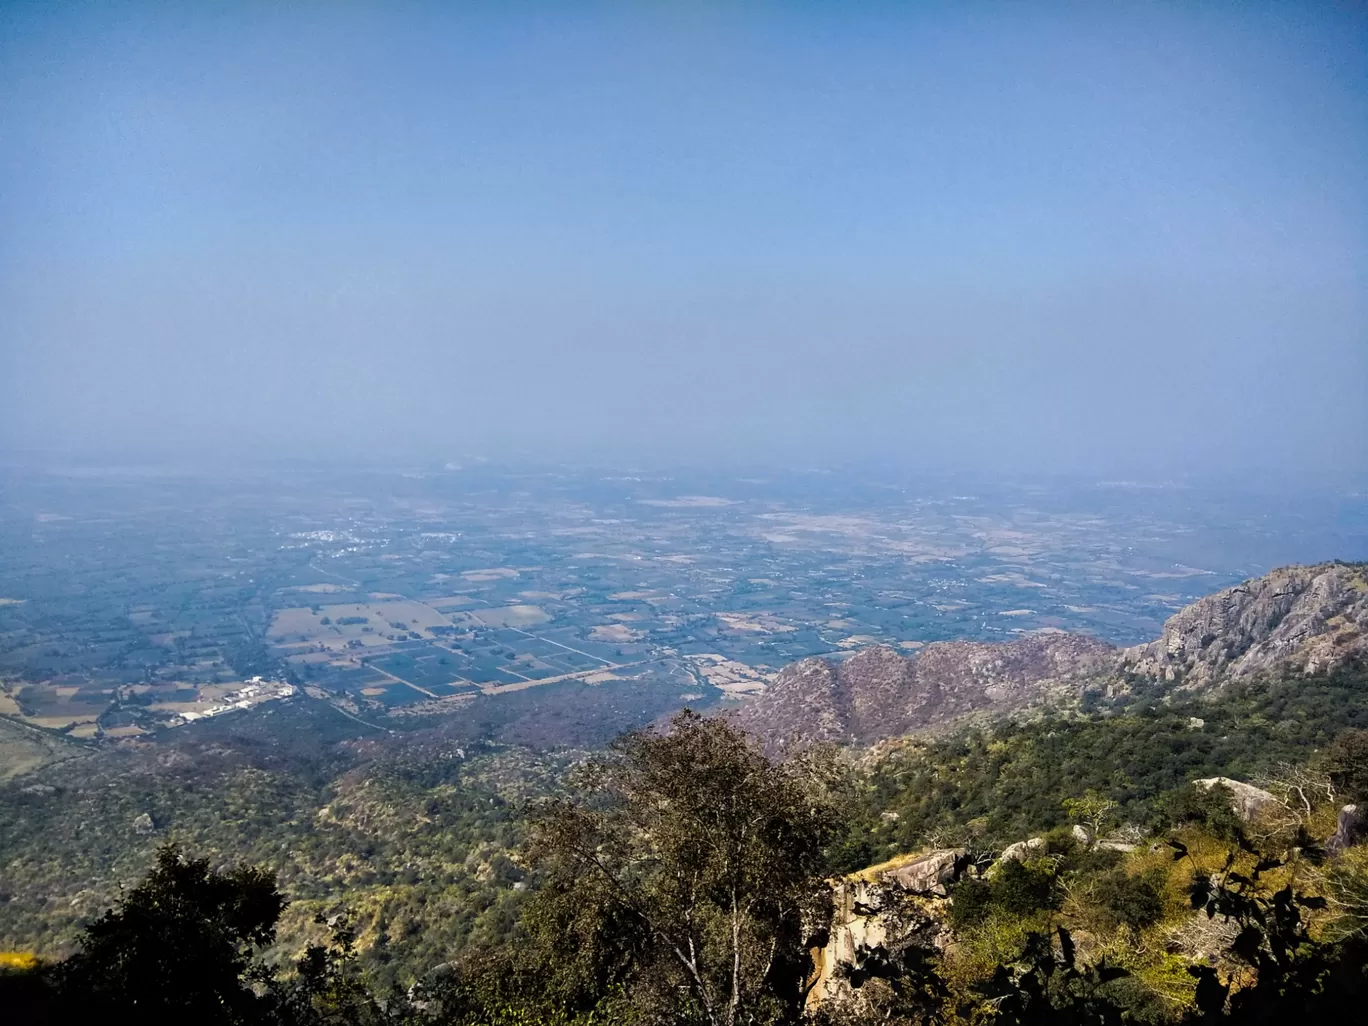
column 1107, row 238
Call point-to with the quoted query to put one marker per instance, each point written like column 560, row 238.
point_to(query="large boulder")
column 1247, row 801
column 931, row 873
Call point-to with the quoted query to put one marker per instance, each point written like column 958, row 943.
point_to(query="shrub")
column 1130, row 901
column 1016, row 890
column 1347, row 762
column 1209, row 808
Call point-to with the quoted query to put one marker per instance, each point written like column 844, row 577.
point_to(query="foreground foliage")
column 680, row 878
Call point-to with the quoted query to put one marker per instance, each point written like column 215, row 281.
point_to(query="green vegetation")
column 416, row 847
column 1005, row 781
column 680, row 879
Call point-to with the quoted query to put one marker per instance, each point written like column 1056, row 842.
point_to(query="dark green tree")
column 1346, row 759
column 179, row 948
column 1046, row 986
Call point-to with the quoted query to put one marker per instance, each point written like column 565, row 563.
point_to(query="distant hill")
column 1297, row 619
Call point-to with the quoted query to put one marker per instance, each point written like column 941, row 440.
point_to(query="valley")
column 371, row 695
column 132, row 601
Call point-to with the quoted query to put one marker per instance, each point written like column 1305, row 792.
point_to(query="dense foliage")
column 1006, row 780
column 414, row 842
column 680, row 877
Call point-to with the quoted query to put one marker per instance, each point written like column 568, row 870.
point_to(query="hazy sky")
column 1102, row 236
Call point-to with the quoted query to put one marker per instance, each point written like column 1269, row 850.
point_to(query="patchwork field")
column 23, row 749
column 385, row 594
column 60, row 704
column 396, row 652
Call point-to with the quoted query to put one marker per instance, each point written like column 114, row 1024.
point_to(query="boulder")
column 930, row 873
column 1022, row 850
column 1352, row 828
column 1126, row 839
column 143, row 825
column 1246, row 800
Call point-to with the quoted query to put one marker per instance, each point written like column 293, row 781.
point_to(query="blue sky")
column 1043, row 236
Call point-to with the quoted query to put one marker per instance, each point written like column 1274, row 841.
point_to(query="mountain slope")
column 878, row 693
column 1297, row 619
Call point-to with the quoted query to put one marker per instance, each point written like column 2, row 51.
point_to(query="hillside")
column 878, row 693
column 1309, row 620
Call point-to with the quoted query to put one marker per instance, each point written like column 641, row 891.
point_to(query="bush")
column 1209, row 808
column 1023, row 888
column 971, row 903
column 1016, row 890
column 1130, row 901
column 1347, row 762
column 852, row 854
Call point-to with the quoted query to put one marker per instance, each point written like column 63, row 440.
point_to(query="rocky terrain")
column 1296, row 619
column 1309, row 619
column 878, row 693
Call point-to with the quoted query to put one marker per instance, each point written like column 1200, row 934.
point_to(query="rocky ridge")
column 1296, row 619
column 1309, row 619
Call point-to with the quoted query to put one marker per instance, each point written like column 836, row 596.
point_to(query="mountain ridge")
column 1300, row 619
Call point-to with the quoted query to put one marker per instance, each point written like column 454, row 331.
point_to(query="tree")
column 1093, row 811
column 689, row 874
column 178, row 948
column 1347, row 762
column 1047, row 987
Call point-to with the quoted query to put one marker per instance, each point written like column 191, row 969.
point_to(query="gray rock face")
column 932, row 873
column 1022, row 850
column 1246, row 800
column 1311, row 618
column 143, row 825
column 1351, row 828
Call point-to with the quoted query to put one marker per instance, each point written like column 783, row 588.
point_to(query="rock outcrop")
column 1351, row 828
column 1246, row 800
column 1311, row 619
column 882, row 911
column 1020, row 851
column 932, row 873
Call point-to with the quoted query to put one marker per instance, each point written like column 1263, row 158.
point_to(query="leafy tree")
column 179, row 947
column 851, row 854
column 327, row 989
column 1130, row 901
column 1347, row 762
column 1094, row 811
column 689, row 873
column 1016, row 890
column 1211, row 808
column 1045, row 987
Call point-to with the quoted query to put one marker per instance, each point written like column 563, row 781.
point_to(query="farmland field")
column 399, row 596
